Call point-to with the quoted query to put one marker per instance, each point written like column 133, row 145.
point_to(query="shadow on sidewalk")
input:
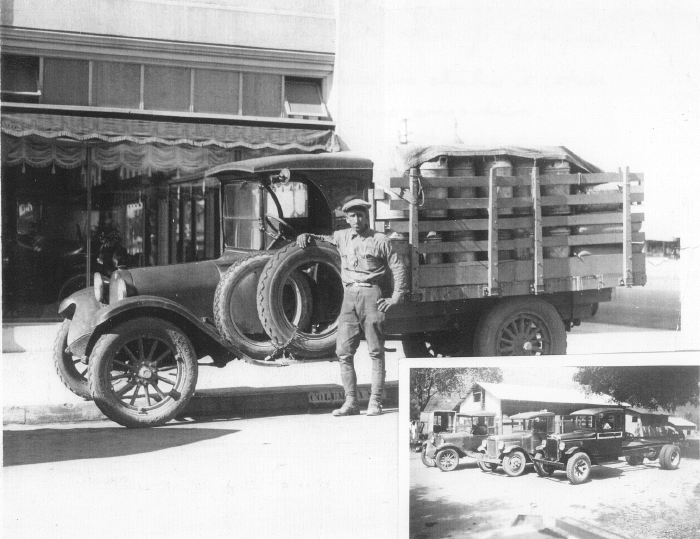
column 55, row 445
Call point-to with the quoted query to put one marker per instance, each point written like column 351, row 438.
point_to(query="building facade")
column 106, row 103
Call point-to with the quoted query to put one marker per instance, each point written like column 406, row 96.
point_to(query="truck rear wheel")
column 520, row 326
column 634, row 460
column 578, row 469
column 543, row 470
column 143, row 372
column 321, row 264
column 486, row 466
column 238, row 286
column 670, row 457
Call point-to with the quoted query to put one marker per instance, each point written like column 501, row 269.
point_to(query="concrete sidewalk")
column 34, row 394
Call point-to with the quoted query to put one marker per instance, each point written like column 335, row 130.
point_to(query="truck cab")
column 599, row 437
column 446, row 448
column 514, row 451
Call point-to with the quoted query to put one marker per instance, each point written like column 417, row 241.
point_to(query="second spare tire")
column 320, row 263
column 235, row 311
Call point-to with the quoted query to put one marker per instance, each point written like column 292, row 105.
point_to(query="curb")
column 212, row 403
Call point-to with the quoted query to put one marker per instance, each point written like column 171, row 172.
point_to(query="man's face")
column 357, row 219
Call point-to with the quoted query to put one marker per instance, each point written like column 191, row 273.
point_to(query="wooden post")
column 413, row 234
column 493, row 289
column 88, row 246
column 627, row 277
column 537, row 254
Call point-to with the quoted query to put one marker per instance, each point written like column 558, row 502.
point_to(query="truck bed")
column 622, row 265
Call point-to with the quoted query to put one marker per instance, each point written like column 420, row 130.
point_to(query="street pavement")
column 296, row 476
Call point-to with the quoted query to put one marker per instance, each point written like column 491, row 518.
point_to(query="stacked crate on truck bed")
column 514, row 234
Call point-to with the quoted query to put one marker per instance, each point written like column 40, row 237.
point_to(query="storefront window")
column 20, row 79
column 216, row 91
column 262, row 95
column 116, row 85
column 166, row 88
column 66, row 82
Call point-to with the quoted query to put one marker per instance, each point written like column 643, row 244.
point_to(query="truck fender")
column 510, row 448
column 450, row 446
column 573, row 450
column 203, row 336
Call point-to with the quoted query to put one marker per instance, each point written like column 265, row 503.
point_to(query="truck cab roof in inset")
column 594, row 411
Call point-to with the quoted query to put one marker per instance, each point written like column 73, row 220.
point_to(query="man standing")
column 367, row 261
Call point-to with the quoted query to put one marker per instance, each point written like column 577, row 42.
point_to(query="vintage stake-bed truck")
column 599, row 437
column 444, row 449
column 506, row 251
column 513, row 451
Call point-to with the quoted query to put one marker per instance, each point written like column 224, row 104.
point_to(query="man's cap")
column 356, row 203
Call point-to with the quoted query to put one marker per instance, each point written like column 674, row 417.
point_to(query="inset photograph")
column 552, row 451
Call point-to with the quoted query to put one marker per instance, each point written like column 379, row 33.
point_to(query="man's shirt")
column 368, row 257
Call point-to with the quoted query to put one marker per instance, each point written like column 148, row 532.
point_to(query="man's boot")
column 349, row 379
column 375, row 399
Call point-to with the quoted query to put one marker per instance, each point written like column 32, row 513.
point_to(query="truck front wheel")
column 143, row 372
column 578, row 468
column 520, row 326
column 514, row 464
column 447, row 460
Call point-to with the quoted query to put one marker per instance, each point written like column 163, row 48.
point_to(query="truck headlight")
column 501, row 445
column 122, row 291
column 98, row 286
column 562, row 446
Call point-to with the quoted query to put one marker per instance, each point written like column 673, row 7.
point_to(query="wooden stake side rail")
column 636, row 178
column 536, row 274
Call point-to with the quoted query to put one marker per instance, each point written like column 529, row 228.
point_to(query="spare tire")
column 235, row 311
column 320, row 262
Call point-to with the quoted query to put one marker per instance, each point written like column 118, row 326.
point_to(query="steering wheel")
column 283, row 230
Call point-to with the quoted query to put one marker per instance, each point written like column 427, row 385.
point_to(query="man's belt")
column 363, row 285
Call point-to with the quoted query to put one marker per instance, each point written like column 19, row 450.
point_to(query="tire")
column 670, row 457
column 430, row 463
column 514, row 463
column 634, row 460
column 578, row 469
column 116, row 383
column 232, row 290
column 543, row 470
column 72, row 372
column 447, row 460
column 520, row 326
column 321, row 263
column 486, row 466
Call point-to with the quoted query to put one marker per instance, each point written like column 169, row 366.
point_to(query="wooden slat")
column 475, row 273
column 545, row 179
column 589, row 219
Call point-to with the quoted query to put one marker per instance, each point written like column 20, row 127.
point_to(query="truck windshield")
column 540, row 424
column 243, row 211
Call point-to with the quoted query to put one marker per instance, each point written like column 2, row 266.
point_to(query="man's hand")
column 384, row 304
column 303, row 239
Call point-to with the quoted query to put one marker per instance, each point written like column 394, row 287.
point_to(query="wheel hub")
column 145, row 372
